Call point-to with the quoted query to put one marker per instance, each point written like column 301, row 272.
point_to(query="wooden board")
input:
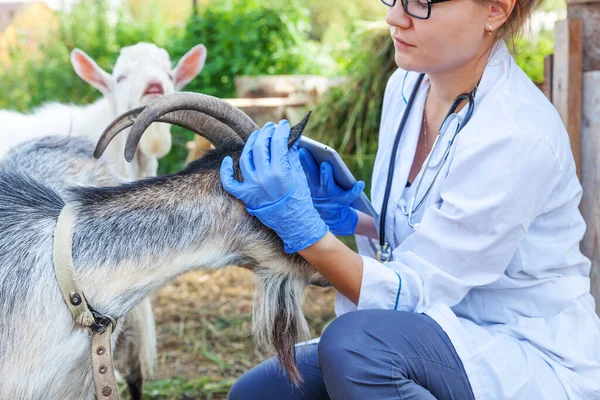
column 590, row 179
column 567, row 81
column 589, row 14
column 264, row 86
column 271, row 102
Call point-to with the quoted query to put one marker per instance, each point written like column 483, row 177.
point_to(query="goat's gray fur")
column 44, row 160
column 129, row 240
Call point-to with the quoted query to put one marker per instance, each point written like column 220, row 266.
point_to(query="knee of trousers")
column 346, row 340
column 342, row 340
column 244, row 388
column 237, row 391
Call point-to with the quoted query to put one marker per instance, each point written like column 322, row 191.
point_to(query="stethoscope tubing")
column 384, row 252
column 388, row 185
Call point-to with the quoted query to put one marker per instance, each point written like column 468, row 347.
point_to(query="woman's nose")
column 397, row 17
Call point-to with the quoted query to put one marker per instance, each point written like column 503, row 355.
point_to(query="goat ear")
column 89, row 71
column 297, row 130
column 189, row 66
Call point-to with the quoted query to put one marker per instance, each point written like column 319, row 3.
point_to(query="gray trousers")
column 369, row 354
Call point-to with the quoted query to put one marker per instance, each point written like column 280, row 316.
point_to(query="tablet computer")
column 341, row 172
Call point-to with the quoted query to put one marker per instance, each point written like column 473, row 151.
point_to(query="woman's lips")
column 400, row 44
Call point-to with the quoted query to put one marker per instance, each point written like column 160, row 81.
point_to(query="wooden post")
column 590, row 177
column 588, row 12
column 548, row 71
column 566, row 80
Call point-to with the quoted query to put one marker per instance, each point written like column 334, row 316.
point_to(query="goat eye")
column 170, row 76
column 120, row 78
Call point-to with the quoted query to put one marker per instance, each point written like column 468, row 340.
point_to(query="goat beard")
column 278, row 322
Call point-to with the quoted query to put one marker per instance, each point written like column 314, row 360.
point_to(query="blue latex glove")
column 275, row 188
column 331, row 201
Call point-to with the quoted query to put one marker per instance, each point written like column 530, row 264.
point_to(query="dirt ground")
column 203, row 326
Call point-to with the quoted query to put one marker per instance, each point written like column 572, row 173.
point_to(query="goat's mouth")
column 153, row 91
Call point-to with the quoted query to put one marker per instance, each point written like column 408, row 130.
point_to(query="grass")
column 187, row 389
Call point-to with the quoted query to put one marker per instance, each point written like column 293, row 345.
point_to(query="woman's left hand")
column 331, row 201
column 274, row 188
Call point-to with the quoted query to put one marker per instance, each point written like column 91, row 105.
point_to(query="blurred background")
column 276, row 59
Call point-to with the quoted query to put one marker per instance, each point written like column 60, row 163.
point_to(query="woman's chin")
column 404, row 63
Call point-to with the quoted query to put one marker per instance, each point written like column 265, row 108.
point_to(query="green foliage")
column 348, row 116
column 553, row 5
column 129, row 30
column 333, row 20
column 243, row 37
column 30, row 81
column 47, row 75
column 248, row 37
column 530, row 54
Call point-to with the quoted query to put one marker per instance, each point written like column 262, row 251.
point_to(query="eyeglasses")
column 420, row 9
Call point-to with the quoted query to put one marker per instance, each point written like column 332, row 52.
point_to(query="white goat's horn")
column 193, row 108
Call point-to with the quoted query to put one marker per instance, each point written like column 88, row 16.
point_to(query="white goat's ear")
column 90, row 72
column 189, row 66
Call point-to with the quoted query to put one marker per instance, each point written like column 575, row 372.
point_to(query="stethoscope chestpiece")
column 384, row 253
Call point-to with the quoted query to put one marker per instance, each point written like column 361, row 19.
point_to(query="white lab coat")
column 495, row 260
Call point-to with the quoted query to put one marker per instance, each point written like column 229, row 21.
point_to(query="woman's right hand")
column 330, row 200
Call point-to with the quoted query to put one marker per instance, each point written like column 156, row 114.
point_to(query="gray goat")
column 129, row 240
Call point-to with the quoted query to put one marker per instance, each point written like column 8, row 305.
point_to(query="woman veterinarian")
column 477, row 289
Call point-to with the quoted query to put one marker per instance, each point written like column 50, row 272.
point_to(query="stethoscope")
column 384, row 253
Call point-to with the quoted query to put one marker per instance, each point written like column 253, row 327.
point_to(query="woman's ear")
column 499, row 13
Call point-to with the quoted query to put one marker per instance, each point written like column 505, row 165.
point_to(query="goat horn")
column 298, row 129
column 194, row 103
column 204, row 125
column 124, row 121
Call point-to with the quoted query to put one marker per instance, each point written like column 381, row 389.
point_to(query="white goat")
column 128, row 241
column 142, row 73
